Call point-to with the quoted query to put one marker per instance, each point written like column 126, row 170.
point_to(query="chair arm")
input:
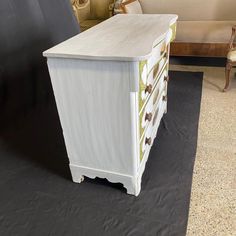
column 231, row 42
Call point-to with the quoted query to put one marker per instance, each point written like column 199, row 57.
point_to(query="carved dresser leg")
column 78, row 179
column 133, row 187
column 227, row 74
column 77, row 175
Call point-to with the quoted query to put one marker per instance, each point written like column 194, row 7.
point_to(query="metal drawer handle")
column 166, row 78
column 148, row 141
column 148, row 117
column 148, row 89
column 163, row 50
column 163, row 47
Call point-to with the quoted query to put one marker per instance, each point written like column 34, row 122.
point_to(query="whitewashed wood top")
column 122, row 38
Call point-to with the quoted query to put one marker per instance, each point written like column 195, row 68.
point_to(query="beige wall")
column 200, row 21
column 188, row 10
column 193, row 10
column 204, row 31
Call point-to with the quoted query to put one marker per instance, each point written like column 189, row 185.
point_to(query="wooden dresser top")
column 120, row 38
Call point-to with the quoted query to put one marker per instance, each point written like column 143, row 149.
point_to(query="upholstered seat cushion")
column 232, row 55
column 132, row 7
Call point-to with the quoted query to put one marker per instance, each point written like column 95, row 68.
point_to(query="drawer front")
column 173, row 28
column 150, row 133
column 147, row 80
column 146, row 115
column 158, row 52
column 154, row 74
column 161, row 49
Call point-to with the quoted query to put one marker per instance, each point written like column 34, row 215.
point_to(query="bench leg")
column 227, row 75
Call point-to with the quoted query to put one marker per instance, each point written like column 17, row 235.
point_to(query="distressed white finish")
column 98, row 105
column 123, row 37
column 94, row 106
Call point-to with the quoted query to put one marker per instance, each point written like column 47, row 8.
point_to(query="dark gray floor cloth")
column 38, row 196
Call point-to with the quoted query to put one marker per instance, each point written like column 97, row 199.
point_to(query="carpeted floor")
column 38, row 197
column 213, row 197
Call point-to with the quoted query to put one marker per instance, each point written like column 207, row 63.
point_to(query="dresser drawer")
column 149, row 135
column 146, row 115
column 147, row 80
column 154, row 74
column 161, row 49
column 158, row 52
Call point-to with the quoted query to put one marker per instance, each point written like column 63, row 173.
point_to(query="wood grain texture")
column 199, row 49
column 125, row 37
column 94, row 105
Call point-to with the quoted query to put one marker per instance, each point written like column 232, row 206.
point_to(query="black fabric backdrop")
column 38, row 196
column 27, row 28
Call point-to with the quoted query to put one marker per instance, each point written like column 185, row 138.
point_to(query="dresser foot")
column 165, row 109
column 78, row 179
column 77, row 176
column 132, row 184
column 133, row 188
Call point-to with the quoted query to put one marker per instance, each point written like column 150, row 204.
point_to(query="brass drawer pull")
column 163, row 48
column 164, row 98
column 148, row 141
column 148, row 89
column 166, row 78
column 148, row 117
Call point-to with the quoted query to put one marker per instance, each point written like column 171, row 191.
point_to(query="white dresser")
column 110, row 85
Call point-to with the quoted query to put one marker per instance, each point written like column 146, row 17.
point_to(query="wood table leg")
column 227, row 74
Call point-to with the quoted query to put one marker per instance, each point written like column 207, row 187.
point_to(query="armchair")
column 231, row 58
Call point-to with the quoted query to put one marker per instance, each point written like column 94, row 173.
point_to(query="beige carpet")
column 213, row 197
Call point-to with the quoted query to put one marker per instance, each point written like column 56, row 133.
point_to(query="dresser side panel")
column 94, row 105
column 134, row 104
